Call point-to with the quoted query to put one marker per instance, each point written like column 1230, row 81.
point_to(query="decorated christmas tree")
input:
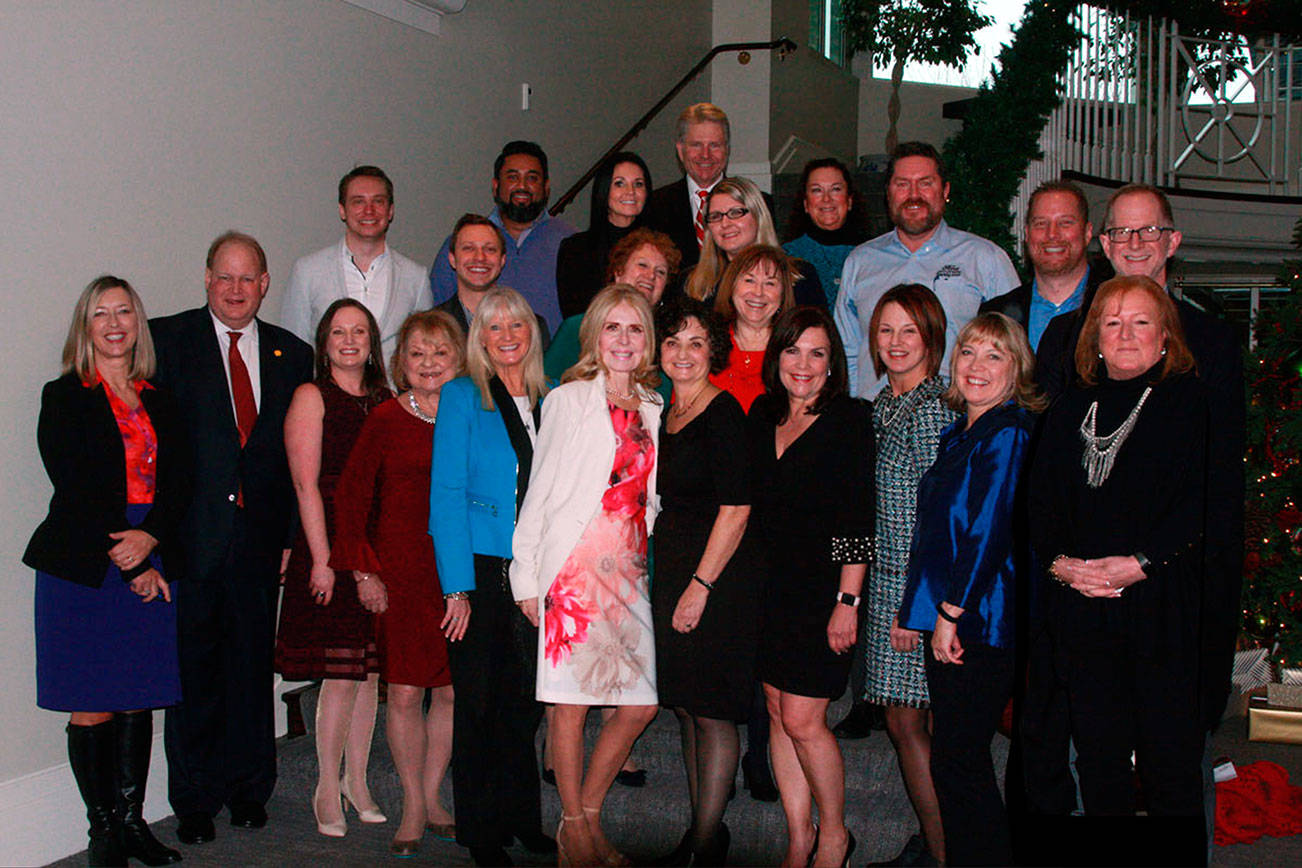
column 1272, row 587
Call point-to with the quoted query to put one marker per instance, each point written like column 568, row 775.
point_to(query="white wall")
column 137, row 130
column 813, row 98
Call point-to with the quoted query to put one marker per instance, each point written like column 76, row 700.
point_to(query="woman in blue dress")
column 964, row 578
column 105, row 622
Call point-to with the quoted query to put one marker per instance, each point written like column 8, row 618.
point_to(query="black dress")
column 813, row 509
column 709, row 671
column 1130, row 664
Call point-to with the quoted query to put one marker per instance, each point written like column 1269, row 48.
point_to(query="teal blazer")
column 478, row 478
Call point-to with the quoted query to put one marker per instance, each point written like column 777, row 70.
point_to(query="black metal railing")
column 782, row 46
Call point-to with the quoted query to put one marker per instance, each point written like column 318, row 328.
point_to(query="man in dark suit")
column 477, row 253
column 233, row 376
column 1058, row 232
column 678, row 209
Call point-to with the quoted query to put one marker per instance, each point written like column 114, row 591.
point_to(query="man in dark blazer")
column 233, row 376
column 703, row 147
column 1058, row 232
column 477, row 253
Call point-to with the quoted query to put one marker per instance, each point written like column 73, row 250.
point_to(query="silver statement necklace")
column 1101, row 452
column 415, row 408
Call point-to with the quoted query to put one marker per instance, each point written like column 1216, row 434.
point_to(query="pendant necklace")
column 1101, row 452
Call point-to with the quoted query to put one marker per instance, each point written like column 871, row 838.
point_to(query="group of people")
column 662, row 462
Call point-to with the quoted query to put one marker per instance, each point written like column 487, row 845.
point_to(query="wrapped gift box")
column 1273, row 723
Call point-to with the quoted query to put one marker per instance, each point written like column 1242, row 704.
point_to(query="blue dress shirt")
column 1042, row 310
column 964, row 546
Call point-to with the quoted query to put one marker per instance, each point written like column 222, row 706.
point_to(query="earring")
column 1163, row 350
column 1100, row 355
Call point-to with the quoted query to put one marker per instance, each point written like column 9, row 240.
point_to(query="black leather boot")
column 134, row 738
column 90, row 753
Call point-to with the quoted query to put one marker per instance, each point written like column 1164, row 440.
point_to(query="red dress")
column 382, row 526
column 742, row 378
column 337, row 640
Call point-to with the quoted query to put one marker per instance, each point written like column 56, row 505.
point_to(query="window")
column 825, row 30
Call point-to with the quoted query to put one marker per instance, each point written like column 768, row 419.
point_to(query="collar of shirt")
column 496, row 217
column 248, row 334
column 138, row 385
column 1071, row 302
column 377, row 263
column 940, row 240
column 694, row 190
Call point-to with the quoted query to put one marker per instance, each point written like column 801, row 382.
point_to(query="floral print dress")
column 598, row 647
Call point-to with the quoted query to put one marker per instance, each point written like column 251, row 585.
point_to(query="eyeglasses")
column 732, row 214
column 1121, row 234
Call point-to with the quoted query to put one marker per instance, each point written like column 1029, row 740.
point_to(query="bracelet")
column 846, row 599
column 457, row 595
column 709, row 586
column 940, row 610
column 1144, row 562
column 1053, row 571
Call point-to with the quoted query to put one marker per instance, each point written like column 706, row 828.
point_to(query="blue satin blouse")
column 964, row 546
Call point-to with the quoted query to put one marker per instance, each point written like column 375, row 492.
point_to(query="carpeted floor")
column 643, row 822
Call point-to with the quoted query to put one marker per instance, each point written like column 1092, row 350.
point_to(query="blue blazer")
column 965, row 551
column 480, row 471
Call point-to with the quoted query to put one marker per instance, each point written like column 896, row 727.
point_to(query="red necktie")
column 700, row 217
column 246, row 409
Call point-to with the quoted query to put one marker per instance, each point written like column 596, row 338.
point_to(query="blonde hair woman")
column 580, row 557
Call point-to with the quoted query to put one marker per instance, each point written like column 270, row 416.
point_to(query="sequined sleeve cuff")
column 852, row 549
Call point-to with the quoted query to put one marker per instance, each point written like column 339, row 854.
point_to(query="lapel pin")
column 276, row 353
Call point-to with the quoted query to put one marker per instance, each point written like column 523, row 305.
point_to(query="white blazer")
column 571, row 472
column 317, row 280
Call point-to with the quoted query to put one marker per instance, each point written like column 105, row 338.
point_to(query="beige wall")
column 921, row 107
column 813, row 98
column 137, row 130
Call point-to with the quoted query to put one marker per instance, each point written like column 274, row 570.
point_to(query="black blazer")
column 453, row 306
column 190, row 368
column 81, row 447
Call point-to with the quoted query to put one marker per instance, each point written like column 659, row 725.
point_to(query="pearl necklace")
column 419, row 413
column 1101, row 452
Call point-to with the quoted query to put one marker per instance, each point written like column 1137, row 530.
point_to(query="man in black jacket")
column 1058, row 232
column 232, row 377
column 678, row 209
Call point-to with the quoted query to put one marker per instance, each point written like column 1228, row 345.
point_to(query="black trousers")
column 495, row 718
column 1128, row 697
column 220, row 740
column 967, row 703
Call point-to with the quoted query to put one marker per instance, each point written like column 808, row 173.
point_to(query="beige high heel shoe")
column 366, row 815
column 334, row 828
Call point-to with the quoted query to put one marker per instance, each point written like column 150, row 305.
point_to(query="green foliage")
column 930, row 31
column 988, row 157
column 1272, row 588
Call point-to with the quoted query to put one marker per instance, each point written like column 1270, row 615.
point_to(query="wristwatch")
column 847, row 599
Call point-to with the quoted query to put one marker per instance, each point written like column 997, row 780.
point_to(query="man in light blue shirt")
column 521, row 187
column 1058, row 231
column 961, row 268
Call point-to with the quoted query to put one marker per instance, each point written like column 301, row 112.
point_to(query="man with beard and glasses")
column 1058, row 231
column 962, row 269
column 520, row 191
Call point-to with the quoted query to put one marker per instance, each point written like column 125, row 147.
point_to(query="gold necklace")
column 681, row 409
